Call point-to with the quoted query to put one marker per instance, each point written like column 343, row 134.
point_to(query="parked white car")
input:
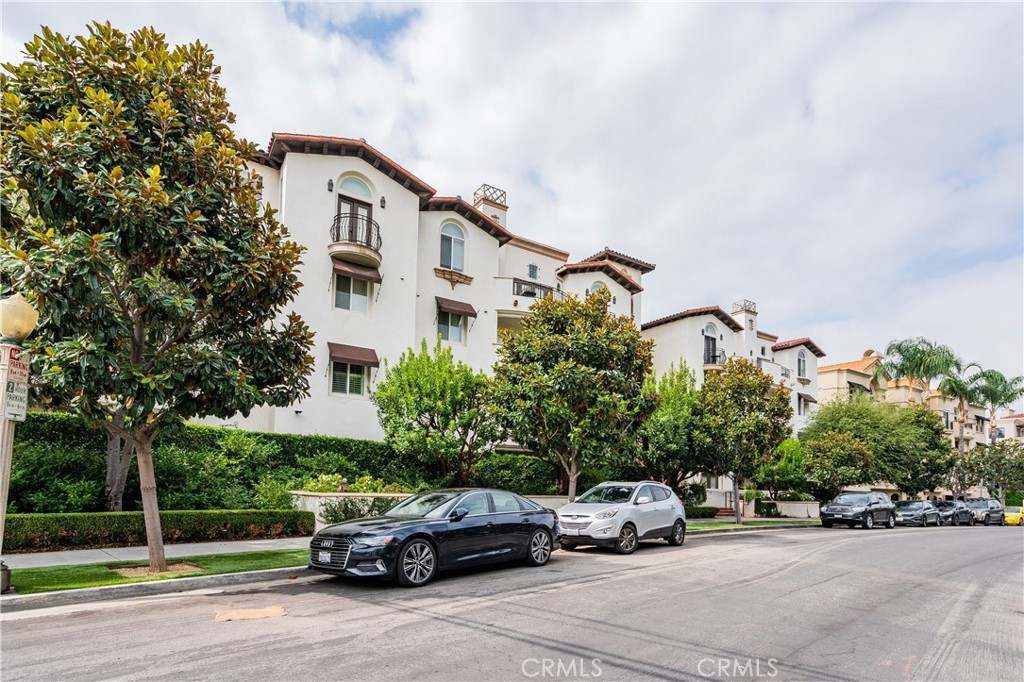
column 618, row 515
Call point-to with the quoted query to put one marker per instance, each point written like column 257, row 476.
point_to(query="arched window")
column 711, row 331
column 354, row 187
column 712, row 356
column 595, row 287
column 801, row 364
column 453, row 248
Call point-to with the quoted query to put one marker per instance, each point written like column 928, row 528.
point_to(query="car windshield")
column 909, row 505
column 429, row 504
column 1013, row 510
column 607, row 494
column 978, row 504
column 851, row 498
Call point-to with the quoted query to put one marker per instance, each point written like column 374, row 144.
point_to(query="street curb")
column 41, row 600
column 754, row 529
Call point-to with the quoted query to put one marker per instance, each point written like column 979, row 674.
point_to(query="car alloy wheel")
column 417, row 563
column 988, row 519
column 891, row 521
column 956, row 519
column 678, row 534
column 1020, row 521
column 972, row 521
column 540, row 548
column 626, row 542
column 869, row 521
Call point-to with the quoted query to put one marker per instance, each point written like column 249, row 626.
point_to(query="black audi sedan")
column 917, row 513
column 954, row 512
column 434, row 531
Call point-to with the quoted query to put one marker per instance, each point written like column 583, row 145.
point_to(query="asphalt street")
column 812, row 604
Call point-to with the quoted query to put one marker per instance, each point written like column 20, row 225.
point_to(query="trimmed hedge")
column 35, row 532
column 701, row 512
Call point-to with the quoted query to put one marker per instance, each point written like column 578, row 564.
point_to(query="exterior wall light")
column 17, row 318
column 383, row 202
column 330, row 185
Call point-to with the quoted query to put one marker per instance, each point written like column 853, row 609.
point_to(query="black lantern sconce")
column 383, row 202
column 330, row 185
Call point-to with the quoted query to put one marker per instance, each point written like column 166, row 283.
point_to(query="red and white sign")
column 17, row 368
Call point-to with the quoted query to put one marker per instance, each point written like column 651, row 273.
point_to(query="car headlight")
column 857, row 510
column 375, row 540
column 823, row 510
column 607, row 514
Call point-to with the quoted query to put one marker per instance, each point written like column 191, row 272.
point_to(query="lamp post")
column 17, row 320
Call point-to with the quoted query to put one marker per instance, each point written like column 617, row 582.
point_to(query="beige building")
column 1010, row 425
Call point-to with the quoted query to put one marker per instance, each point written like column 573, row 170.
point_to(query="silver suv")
column 619, row 515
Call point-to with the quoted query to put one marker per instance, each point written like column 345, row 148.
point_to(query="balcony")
column 715, row 358
column 522, row 287
column 356, row 239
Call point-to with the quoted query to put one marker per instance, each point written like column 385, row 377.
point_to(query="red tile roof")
column 606, row 267
column 283, row 143
column 813, row 347
column 616, row 257
column 467, row 211
column 713, row 310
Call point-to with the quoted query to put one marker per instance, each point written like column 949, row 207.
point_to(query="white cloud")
column 855, row 169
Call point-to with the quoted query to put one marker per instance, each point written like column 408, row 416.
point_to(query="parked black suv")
column 864, row 509
column 987, row 511
column 955, row 512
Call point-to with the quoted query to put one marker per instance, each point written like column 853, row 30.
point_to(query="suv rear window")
column 660, row 494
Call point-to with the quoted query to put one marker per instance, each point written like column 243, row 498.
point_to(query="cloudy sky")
column 856, row 169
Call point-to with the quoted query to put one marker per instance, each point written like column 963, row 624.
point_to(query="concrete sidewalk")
column 108, row 554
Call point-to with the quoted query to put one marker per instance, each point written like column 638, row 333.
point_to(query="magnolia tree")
column 435, row 408
column 569, row 385
column 133, row 223
column 835, row 460
column 742, row 418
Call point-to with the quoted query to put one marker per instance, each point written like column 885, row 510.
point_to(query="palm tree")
column 919, row 361
column 998, row 391
column 959, row 383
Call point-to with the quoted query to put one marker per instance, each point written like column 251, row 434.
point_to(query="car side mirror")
column 642, row 500
column 459, row 514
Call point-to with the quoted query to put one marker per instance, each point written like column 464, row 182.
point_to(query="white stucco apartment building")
column 389, row 263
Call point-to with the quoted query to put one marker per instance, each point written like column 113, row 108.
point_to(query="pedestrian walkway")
column 109, row 554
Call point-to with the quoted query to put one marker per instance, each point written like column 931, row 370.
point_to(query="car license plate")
column 571, row 531
column 324, row 557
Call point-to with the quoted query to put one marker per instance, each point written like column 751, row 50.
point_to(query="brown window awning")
column 807, row 398
column 457, row 307
column 357, row 271
column 355, row 355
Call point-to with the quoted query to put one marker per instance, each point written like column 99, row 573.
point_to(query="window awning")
column 807, row 398
column 355, row 355
column 457, row 307
column 357, row 271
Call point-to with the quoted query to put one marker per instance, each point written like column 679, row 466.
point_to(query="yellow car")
column 1014, row 516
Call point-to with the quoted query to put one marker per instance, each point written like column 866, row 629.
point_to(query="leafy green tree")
column 997, row 390
column 161, row 278
column 783, row 470
column 435, row 409
column 962, row 385
column 919, row 361
column 569, row 385
column 665, row 452
column 907, row 443
column 742, row 417
column 965, row 470
column 835, row 460
column 1000, row 467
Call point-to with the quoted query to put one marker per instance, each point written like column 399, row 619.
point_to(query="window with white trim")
column 800, row 405
column 351, row 294
column 347, row 379
column 453, row 248
column 449, row 326
column 533, row 271
column 801, row 364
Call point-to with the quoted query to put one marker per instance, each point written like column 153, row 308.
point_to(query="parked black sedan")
column 434, row 531
column 917, row 513
column 864, row 509
column 954, row 512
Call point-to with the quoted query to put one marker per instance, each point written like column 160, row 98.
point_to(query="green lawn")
column 52, row 578
column 709, row 524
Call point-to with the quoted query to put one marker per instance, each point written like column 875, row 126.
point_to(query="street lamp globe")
column 17, row 318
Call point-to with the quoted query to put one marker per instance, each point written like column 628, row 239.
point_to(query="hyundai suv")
column 619, row 515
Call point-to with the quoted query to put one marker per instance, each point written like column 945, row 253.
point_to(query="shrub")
column 198, row 479
column 343, row 509
column 766, row 509
column 58, row 477
column 33, row 532
column 523, row 474
column 272, row 493
column 693, row 494
column 701, row 512
column 324, row 483
column 794, row 496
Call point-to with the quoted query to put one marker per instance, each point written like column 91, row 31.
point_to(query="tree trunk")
column 120, row 453
column 150, row 510
column 961, row 446
column 574, row 474
column 736, row 498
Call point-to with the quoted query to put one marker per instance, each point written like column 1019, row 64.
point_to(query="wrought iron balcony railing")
column 522, row 287
column 356, row 229
column 714, row 357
